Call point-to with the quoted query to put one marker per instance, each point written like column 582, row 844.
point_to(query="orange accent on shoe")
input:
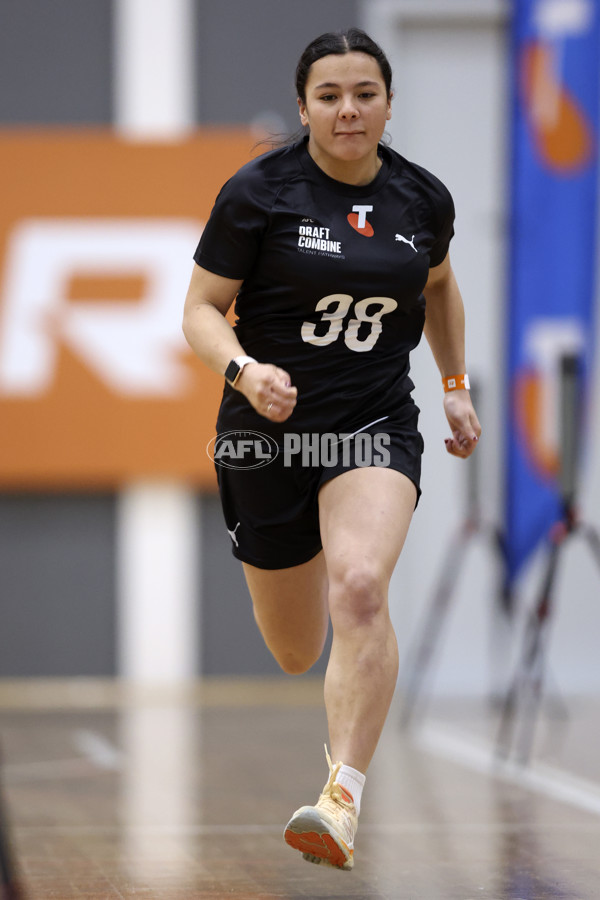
column 346, row 794
column 321, row 845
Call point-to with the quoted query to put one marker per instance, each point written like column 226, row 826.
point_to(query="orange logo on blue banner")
column 97, row 385
column 528, row 403
column 562, row 134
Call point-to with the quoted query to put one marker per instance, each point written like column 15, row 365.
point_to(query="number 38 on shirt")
column 335, row 308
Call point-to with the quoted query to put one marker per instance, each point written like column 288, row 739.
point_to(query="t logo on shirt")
column 358, row 219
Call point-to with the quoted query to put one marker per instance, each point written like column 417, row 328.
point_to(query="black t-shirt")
column 333, row 276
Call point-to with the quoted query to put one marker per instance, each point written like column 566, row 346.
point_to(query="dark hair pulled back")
column 341, row 42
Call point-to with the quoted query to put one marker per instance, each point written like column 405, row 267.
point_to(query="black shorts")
column 270, row 493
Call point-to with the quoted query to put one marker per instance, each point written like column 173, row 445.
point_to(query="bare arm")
column 213, row 340
column 445, row 333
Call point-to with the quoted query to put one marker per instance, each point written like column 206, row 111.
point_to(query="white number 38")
column 335, row 308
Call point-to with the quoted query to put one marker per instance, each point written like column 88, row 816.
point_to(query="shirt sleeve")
column 232, row 236
column 443, row 208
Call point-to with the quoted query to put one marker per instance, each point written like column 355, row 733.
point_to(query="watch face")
column 232, row 371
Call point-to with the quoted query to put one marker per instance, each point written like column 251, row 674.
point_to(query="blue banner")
column 556, row 107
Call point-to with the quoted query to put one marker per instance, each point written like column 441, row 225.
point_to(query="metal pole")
column 526, row 690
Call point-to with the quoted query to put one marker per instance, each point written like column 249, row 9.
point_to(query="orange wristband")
column 456, row 383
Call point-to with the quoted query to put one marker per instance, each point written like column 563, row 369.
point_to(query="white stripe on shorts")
column 364, row 428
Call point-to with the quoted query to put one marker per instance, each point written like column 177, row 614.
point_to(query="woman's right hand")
column 269, row 389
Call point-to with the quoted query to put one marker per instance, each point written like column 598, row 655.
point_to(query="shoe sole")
column 307, row 832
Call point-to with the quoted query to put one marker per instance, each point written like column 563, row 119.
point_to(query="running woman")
column 335, row 250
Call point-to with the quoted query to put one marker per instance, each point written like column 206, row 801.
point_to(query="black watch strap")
column 235, row 367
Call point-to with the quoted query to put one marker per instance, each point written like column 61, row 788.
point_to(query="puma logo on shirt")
column 410, row 243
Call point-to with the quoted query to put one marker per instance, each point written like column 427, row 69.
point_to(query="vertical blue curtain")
column 553, row 243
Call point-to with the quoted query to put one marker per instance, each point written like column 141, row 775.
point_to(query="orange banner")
column 97, row 385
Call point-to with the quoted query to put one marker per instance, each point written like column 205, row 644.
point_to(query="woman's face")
column 346, row 106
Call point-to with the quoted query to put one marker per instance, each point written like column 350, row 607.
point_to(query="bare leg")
column 365, row 514
column 290, row 608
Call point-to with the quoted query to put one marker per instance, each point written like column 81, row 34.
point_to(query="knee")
column 296, row 663
column 298, row 655
column 358, row 595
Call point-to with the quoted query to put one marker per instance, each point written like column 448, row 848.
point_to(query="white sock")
column 353, row 781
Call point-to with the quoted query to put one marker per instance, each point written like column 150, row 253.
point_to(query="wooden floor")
column 115, row 794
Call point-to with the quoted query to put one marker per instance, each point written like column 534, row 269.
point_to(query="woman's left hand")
column 463, row 422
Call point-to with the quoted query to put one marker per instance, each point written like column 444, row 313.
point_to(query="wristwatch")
column 235, row 367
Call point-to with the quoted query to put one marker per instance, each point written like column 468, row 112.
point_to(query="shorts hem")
column 329, row 475
column 278, row 564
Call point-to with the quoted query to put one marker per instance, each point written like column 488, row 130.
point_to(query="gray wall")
column 247, row 55
column 57, row 563
column 55, row 61
column 57, row 553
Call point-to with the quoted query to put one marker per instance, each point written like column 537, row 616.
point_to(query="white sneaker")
column 325, row 833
